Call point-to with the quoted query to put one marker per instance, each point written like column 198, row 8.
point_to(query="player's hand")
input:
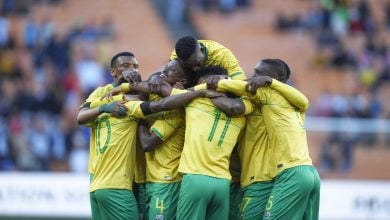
column 131, row 76
column 117, row 109
column 211, row 93
column 156, row 82
column 178, row 85
column 255, row 82
column 212, row 81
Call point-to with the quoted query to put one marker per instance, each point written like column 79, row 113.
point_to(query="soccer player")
column 294, row 193
column 196, row 54
column 163, row 143
column 112, row 148
column 208, row 144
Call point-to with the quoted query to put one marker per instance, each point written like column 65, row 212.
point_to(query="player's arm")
column 294, row 96
column 88, row 114
column 163, row 89
column 244, row 88
column 230, row 106
column 161, row 130
column 231, row 64
column 148, row 139
column 237, row 87
column 176, row 101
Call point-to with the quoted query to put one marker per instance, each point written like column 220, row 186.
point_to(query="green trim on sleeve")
column 235, row 74
column 207, row 51
column 161, row 136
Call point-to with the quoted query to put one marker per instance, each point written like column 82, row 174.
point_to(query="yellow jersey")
column 284, row 126
column 112, row 146
column 210, row 137
column 163, row 161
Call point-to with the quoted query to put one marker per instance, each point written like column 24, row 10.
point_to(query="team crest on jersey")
column 159, row 217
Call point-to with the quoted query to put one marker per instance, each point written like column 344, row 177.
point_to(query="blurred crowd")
column 335, row 25
column 348, row 37
column 44, row 75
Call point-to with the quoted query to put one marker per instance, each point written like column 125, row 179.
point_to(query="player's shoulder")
column 211, row 44
column 100, row 91
column 103, row 88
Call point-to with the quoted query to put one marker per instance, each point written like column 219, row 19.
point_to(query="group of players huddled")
column 199, row 140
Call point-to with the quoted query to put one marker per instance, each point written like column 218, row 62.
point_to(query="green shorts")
column 113, row 204
column 162, row 200
column 203, row 197
column 141, row 197
column 255, row 199
column 295, row 195
column 235, row 201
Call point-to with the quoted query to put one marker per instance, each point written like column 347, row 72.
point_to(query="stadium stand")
column 37, row 72
column 52, row 54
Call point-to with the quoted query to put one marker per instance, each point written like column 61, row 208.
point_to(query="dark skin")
column 197, row 60
column 122, row 64
column 148, row 140
column 262, row 76
column 230, row 106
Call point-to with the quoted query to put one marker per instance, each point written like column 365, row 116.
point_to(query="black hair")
column 211, row 70
column 185, row 47
column 280, row 67
column 287, row 69
column 121, row 54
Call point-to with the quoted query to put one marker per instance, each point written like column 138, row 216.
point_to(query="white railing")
column 350, row 125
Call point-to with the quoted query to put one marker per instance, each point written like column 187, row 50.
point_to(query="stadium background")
column 53, row 52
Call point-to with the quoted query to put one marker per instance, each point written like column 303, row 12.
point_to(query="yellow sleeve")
column 178, row 91
column 248, row 105
column 230, row 63
column 125, row 87
column 167, row 125
column 236, row 87
column 95, row 95
column 97, row 102
column 134, row 109
column 200, row 87
column 292, row 95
